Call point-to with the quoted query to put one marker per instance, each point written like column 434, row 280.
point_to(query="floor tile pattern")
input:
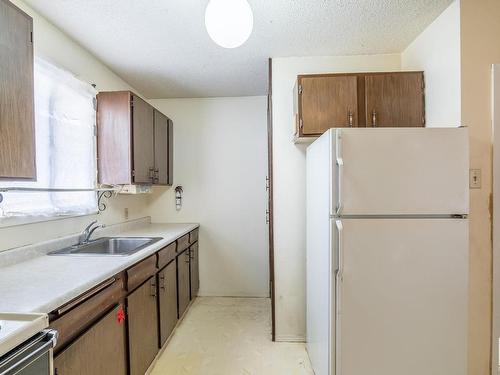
column 230, row 336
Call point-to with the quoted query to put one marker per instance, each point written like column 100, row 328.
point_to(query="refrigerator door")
column 406, row 171
column 402, row 297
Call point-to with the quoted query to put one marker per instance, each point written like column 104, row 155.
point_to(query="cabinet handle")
column 153, row 288
column 151, row 173
column 162, row 282
column 350, row 118
column 374, row 119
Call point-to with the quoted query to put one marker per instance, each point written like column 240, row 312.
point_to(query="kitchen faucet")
column 87, row 232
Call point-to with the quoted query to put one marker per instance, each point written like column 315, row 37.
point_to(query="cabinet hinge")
column 301, row 124
column 423, row 120
column 300, row 90
column 133, row 172
column 423, row 85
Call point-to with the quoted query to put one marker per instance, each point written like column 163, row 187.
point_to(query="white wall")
column 53, row 45
column 437, row 52
column 220, row 159
column 289, row 182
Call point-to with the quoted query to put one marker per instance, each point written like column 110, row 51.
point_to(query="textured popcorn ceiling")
column 161, row 46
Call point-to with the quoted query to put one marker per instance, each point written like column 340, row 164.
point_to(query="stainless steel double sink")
column 108, row 246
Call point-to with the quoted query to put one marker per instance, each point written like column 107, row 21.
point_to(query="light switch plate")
column 475, row 179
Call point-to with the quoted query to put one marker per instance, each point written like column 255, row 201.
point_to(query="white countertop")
column 34, row 282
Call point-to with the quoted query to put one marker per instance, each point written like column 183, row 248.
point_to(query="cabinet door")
column 167, row 282
column 142, row 327
column 170, row 179
column 327, row 102
column 161, row 148
column 99, row 351
column 143, row 144
column 17, row 133
column 194, row 270
column 183, row 281
column 395, row 100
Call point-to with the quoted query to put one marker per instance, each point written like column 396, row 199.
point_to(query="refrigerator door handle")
column 338, row 295
column 340, row 166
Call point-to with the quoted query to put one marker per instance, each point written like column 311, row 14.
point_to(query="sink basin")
column 109, row 246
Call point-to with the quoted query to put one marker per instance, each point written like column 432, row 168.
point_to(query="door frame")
column 495, row 200
column 269, row 186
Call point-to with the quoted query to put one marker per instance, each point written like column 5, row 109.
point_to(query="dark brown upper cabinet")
column 325, row 102
column 163, row 160
column 134, row 141
column 395, row 100
column 17, row 131
column 388, row 99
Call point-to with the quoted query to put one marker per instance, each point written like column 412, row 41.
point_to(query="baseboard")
column 290, row 338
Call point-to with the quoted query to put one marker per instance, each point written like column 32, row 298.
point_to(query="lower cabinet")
column 194, row 270
column 142, row 327
column 167, row 301
column 96, row 328
column 99, row 351
column 183, row 282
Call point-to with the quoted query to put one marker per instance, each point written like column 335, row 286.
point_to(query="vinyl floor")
column 230, row 336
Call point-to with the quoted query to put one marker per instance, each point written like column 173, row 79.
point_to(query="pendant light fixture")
column 229, row 22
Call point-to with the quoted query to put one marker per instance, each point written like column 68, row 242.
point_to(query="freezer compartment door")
column 402, row 303
column 407, row 171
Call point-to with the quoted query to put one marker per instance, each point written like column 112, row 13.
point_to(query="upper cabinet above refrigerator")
column 17, row 132
column 134, row 141
column 350, row 100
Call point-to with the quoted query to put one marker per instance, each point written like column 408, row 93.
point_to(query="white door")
column 407, row 171
column 402, row 303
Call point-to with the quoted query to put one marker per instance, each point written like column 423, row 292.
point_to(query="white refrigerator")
column 387, row 251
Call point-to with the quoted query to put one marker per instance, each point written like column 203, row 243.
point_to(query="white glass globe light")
column 229, row 22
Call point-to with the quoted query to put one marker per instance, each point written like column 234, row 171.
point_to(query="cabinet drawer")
column 166, row 255
column 182, row 243
column 193, row 236
column 71, row 319
column 142, row 271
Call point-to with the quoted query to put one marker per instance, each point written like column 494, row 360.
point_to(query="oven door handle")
column 27, row 354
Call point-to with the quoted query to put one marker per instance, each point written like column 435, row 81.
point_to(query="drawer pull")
column 162, row 282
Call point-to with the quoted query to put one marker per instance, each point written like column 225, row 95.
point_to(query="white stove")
column 17, row 328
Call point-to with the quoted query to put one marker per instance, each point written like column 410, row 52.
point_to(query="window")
column 65, row 148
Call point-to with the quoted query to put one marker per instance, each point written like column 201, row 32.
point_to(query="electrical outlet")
column 125, row 213
column 475, row 179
